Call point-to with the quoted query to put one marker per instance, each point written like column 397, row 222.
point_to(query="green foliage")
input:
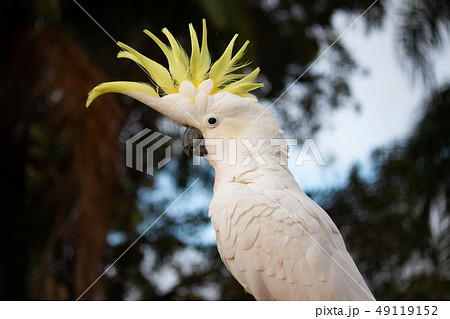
column 423, row 25
column 65, row 187
column 397, row 224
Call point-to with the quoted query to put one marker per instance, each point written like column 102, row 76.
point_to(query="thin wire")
column 315, row 61
column 140, row 66
column 314, row 240
column 137, row 239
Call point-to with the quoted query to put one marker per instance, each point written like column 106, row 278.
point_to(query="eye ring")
column 212, row 120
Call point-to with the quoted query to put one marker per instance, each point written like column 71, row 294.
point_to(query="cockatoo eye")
column 212, row 120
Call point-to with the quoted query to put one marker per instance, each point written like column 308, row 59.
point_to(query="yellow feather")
column 181, row 58
column 200, row 59
column 195, row 57
column 220, row 67
column 196, row 69
column 205, row 57
column 158, row 73
column 229, row 78
column 178, row 73
column 239, row 54
column 244, row 85
column 119, row 87
column 222, row 70
column 177, row 49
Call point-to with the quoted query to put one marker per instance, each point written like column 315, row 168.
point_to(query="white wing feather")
column 280, row 245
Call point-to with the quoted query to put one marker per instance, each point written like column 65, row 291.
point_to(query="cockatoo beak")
column 193, row 142
column 179, row 107
column 183, row 91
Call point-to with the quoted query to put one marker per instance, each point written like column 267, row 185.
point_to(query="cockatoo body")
column 276, row 241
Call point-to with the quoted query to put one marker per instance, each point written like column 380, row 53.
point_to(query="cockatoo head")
column 211, row 100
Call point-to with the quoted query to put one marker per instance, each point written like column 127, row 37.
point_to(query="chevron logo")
column 146, row 142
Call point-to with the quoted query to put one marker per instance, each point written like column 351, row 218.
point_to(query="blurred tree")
column 56, row 200
column 398, row 222
column 69, row 207
column 422, row 27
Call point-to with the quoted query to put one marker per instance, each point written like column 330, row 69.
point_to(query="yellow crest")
column 195, row 69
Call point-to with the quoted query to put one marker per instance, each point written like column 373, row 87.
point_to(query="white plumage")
column 268, row 252
column 277, row 242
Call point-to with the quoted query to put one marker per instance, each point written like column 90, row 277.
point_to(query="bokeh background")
column 69, row 205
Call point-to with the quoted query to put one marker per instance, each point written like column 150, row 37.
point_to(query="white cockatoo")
column 277, row 242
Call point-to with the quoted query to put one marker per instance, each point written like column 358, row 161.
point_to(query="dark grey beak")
column 193, row 142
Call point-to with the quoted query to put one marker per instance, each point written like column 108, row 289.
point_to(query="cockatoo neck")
column 245, row 158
